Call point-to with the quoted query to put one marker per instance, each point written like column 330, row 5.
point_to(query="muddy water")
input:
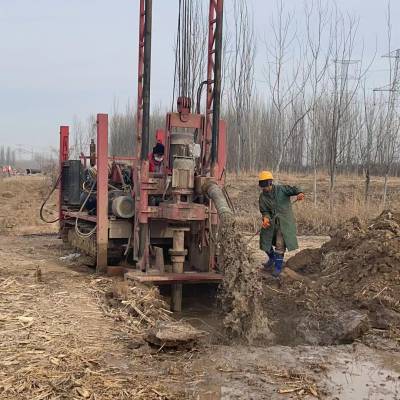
column 200, row 310
column 372, row 379
column 339, row 373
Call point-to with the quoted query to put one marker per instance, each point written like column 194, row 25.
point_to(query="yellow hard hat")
column 265, row 176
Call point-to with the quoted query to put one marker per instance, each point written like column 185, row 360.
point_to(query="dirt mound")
column 367, row 271
column 358, row 269
column 19, row 208
column 241, row 290
column 306, row 260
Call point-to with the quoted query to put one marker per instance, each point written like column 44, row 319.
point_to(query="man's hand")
column 266, row 223
column 300, row 197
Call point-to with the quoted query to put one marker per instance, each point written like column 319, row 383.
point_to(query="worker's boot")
column 278, row 265
column 271, row 260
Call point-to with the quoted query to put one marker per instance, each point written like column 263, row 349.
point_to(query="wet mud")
column 241, row 291
column 348, row 287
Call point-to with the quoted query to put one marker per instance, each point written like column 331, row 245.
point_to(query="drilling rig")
column 159, row 227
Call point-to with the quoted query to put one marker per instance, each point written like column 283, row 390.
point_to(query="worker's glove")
column 300, row 197
column 266, row 223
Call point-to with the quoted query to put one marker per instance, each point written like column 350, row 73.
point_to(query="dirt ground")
column 60, row 340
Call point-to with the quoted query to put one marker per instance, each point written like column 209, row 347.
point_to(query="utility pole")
column 390, row 140
column 394, row 86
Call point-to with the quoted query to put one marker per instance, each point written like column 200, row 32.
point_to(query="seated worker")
column 156, row 158
column 278, row 231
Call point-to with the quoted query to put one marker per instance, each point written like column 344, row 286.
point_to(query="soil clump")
column 355, row 285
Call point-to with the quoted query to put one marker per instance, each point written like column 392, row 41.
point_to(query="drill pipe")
column 215, row 193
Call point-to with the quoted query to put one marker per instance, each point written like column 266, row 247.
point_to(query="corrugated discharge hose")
column 216, row 194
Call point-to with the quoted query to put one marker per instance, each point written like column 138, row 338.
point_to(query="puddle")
column 201, row 311
column 215, row 392
column 366, row 380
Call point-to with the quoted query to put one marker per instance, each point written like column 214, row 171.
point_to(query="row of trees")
column 317, row 112
column 7, row 156
column 313, row 108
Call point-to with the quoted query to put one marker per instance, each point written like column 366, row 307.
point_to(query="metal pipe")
column 217, row 82
column 215, row 193
column 198, row 97
column 102, row 193
column 146, row 80
column 178, row 254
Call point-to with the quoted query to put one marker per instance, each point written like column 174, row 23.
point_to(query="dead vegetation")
column 138, row 306
column 144, row 314
column 294, row 382
column 314, row 219
column 63, row 360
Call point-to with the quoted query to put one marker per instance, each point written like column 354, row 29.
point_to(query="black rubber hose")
column 46, row 200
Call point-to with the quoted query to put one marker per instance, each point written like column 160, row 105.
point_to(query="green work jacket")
column 277, row 207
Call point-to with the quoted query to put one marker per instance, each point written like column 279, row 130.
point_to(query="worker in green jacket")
column 278, row 231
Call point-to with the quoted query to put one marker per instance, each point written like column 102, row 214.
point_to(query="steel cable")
column 183, row 51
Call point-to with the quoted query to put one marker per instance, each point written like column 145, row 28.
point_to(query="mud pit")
column 58, row 340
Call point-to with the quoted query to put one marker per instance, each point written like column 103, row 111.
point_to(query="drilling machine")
column 154, row 227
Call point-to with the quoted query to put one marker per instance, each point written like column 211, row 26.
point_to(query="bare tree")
column 82, row 133
column 390, row 142
column 344, row 31
column 241, row 79
column 78, row 140
column 366, row 141
column 122, row 129
column 8, row 156
column 287, row 81
column 317, row 19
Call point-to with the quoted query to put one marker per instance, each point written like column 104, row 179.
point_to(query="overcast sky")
column 66, row 58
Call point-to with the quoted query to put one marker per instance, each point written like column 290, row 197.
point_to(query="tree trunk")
column 385, row 187
column 315, row 186
column 278, row 164
column 367, row 183
column 332, row 187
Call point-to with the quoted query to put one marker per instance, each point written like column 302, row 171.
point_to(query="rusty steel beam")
column 217, row 82
column 172, row 278
column 102, row 192
column 178, row 253
column 139, row 114
column 210, row 138
column 146, row 80
column 63, row 156
column 80, row 215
